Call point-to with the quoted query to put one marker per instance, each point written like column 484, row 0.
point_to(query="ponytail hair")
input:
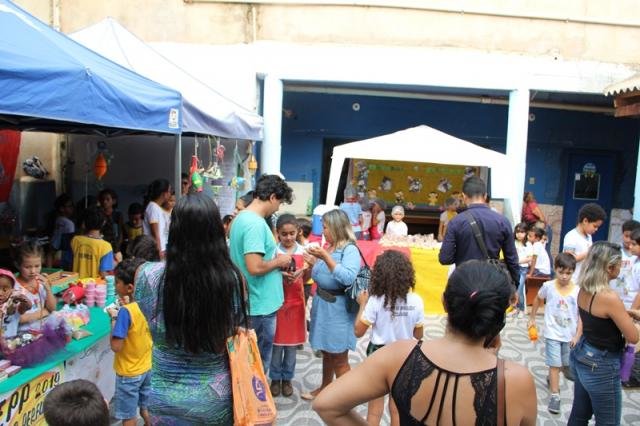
column 476, row 298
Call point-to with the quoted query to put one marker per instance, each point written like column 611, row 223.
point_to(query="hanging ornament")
column 253, row 163
column 196, row 179
column 100, row 166
column 214, row 171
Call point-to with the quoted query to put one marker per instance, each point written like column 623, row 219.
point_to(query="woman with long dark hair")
column 193, row 303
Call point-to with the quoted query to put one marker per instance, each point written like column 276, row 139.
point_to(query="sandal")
column 310, row 396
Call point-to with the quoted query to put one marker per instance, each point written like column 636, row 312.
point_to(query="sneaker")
column 632, row 383
column 275, row 387
column 287, row 389
column 554, row 404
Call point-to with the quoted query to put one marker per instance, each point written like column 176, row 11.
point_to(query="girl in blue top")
column 334, row 268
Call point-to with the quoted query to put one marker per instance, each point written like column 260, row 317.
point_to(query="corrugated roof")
column 628, row 85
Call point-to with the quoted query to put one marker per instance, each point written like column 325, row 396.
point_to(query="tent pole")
column 177, row 166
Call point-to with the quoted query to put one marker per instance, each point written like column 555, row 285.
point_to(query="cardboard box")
column 60, row 280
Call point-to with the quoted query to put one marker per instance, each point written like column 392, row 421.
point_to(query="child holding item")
column 353, row 210
column 290, row 318
column 525, row 252
column 450, row 211
column 397, row 226
column 578, row 240
column 540, row 263
column 92, row 256
column 34, row 286
column 133, row 227
column 131, row 342
column 562, row 327
column 392, row 310
column 12, row 304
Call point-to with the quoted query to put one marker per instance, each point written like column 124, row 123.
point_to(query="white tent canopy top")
column 424, row 144
column 205, row 111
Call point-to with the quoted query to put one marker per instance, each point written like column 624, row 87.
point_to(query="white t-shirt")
column 397, row 228
column 543, row 264
column 627, row 283
column 366, row 220
column 156, row 214
column 576, row 243
column 560, row 312
column 386, row 328
column 524, row 250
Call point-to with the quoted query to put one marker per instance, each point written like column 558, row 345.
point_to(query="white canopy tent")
column 205, row 111
column 424, row 144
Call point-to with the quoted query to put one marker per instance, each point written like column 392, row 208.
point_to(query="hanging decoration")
column 100, row 166
column 252, row 162
column 195, row 170
column 216, row 157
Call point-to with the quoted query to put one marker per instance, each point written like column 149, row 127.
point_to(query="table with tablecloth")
column 431, row 276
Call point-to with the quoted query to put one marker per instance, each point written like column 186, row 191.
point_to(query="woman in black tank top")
column 595, row 360
column 447, row 381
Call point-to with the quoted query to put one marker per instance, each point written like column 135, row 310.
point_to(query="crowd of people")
column 188, row 278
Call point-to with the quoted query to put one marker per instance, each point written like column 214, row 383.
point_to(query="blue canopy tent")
column 48, row 82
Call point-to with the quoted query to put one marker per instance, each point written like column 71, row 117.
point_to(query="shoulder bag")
column 479, row 237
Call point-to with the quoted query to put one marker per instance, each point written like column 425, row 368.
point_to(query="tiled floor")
column 516, row 347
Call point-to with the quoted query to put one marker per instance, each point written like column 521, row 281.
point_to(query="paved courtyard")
column 516, row 347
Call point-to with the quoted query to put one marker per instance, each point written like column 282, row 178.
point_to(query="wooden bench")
column 533, row 284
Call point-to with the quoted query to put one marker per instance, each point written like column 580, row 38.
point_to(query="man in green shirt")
column 253, row 250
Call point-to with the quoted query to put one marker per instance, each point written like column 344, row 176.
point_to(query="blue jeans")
column 283, row 362
column 597, row 387
column 265, row 327
column 131, row 393
column 522, row 291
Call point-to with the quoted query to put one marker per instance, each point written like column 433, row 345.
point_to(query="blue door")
column 589, row 180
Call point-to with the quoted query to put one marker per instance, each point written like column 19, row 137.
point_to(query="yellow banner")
column 24, row 405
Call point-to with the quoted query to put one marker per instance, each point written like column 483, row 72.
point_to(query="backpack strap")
column 477, row 233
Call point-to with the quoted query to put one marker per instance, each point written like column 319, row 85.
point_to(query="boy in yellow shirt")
column 131, row 342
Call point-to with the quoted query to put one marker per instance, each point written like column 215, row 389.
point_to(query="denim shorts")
column 556, row 353
column 131, row 393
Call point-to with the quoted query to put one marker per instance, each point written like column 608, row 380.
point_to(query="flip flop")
column 307, row 396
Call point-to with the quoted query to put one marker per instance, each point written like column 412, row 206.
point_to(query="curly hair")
column 392, row 278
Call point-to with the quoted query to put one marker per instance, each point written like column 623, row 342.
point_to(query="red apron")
column 291, row 327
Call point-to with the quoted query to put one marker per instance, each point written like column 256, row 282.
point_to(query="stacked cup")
column 101, row 295
column 90, row 294
column 111, row 289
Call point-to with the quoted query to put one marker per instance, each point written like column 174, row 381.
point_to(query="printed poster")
column 24, row 405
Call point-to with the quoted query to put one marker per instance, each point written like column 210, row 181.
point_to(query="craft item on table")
column 80, row 334
column 3, row 376
column 75, row 316
column 413, row 241
column 4, row 364
column 101, row 295
column 13, row 370
column 111, row 288
column 74, row 294
column 29, row 349
column 90, row 293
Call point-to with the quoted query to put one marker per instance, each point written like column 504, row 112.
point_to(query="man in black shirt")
column 460, row 245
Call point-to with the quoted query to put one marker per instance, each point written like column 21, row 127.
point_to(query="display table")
column 91, row 358
column 431, row 276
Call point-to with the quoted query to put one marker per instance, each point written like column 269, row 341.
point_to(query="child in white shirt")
column 562, row 326
column 578, row 241
column 624, row 284
column 525, row 251
column 397, row 226
column 393, row 312
column 540, row 263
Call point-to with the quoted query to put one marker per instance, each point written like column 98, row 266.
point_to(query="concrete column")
column 517, row 129
column 636, row 191
column 272, row 112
